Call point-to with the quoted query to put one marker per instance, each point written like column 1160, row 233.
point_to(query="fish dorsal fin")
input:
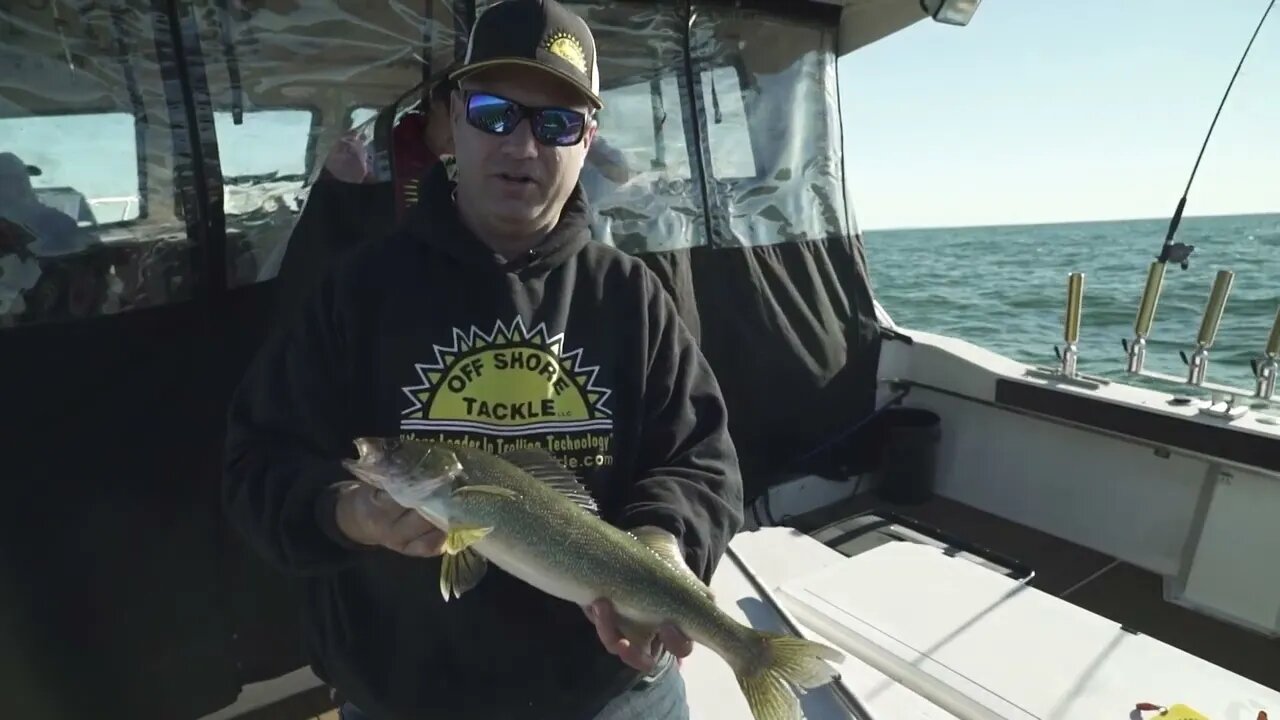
column 543, row 466
column 665, row 546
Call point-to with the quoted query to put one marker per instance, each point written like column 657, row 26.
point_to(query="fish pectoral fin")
column 543, row 466
column 491, row 489
column 461, row 537
column 461, row 571
column 461, row 567
column 665, row 546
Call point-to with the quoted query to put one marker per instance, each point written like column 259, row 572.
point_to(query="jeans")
column 661, row 697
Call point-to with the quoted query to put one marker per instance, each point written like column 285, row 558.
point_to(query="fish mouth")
column 370, row 454
column 378, row 466
column 362, row 471
column 369, row 450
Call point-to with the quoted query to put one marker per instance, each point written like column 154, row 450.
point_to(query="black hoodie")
column 575, row 347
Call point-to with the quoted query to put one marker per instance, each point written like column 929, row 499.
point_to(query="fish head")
column 409, row 471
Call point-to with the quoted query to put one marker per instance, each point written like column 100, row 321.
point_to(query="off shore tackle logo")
column 510, row 388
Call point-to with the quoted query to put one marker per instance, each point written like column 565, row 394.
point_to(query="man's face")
column 514, row 181
column 15, row 189
column 15, row 183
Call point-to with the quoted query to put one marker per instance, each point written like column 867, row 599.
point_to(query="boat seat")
column 352, row 201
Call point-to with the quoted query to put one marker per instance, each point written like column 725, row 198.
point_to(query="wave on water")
column 1005, row 288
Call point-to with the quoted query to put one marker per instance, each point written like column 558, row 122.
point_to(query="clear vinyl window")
column 83, row 165
column 769, row 106
column 265, row 162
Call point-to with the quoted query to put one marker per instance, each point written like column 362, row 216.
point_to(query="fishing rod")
column 1179, row 252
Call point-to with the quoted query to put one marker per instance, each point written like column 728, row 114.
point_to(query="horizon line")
column 1040, row 223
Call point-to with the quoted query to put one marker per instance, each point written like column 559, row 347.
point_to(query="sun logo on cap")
column 566, row 47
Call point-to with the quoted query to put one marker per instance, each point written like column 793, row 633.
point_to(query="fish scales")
column 525, row 513
column 609, row 560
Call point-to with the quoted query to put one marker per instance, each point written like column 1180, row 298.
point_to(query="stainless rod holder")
column 1268, row 368
column 1198, row 363
column 1137, row 348
column 1071, row 331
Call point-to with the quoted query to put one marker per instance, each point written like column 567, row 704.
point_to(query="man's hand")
column 370, row 517
column 640, row 656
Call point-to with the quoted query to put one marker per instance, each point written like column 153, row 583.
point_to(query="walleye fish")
column 526, row 513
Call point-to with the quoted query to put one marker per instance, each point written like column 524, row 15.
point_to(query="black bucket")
column 908, row 456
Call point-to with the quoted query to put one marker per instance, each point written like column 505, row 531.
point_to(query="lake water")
column 1005, row 288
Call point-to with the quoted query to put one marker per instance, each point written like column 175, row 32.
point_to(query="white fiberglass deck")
column 1007, row 649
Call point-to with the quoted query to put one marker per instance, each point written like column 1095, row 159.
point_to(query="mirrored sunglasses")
column 496, row 115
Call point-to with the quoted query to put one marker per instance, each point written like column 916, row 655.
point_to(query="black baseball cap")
column 536, row 33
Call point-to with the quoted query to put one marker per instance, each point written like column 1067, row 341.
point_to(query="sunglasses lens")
column 492, row 114
column 499, row 116
column 559, row 127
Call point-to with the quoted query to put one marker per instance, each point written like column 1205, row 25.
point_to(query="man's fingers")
column 636, row 657
column 603, row 610
column 407, row 527
column 381, row 498
column 676, row 642
column 375, row 508
column 602, row 614
column 429, row 545
column 371, row 516
column 407, row 532
column 606, row 621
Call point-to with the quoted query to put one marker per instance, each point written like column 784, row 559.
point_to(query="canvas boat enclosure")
column 179, row 173
column 719, row 160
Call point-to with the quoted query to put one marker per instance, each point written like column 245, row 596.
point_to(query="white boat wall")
column 984, row 539
column 1147, row 516
column 1123, row 470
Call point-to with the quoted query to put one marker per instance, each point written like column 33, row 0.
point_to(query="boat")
column 983, row 537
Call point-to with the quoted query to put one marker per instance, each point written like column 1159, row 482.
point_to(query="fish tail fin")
column 785, row 662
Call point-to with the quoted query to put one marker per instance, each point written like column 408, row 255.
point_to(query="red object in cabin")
column 412, row 158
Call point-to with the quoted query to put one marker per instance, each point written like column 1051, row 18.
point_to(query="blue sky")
column 1043, row 111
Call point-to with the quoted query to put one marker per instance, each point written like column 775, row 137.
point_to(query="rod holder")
column 1198, row 363
column 1268, row 368
column 1137, row 348
column 1070, row 354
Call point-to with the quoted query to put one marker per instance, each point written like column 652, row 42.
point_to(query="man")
column 421, row 140
column 439, row 130
column 605, row 169
column 56, row 232
column 490, row 318
column 350, row 203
